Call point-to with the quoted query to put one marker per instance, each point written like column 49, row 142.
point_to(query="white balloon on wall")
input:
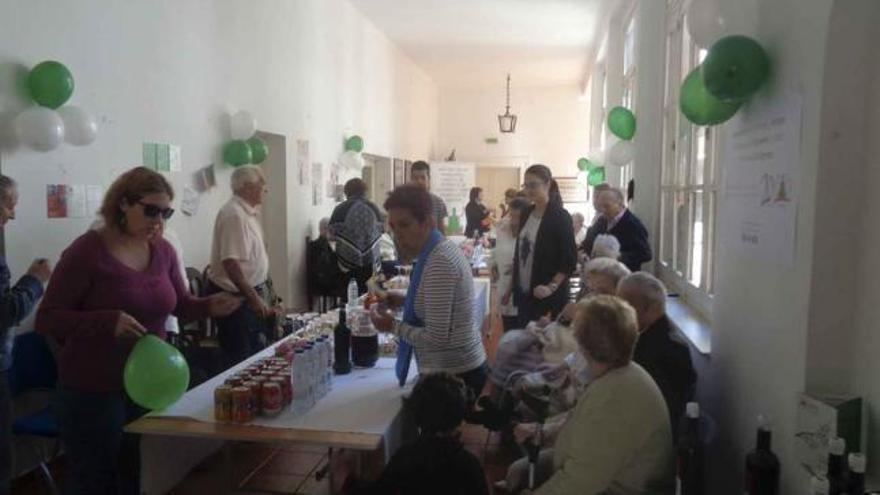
column 80, row 128
column 352, row 160
column 621, row 153
column 709, row 20
column 243, row 125
column 39, row 128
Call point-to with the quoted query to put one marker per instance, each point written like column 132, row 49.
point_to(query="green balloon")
column 156, row 374
column 622, row 123
column 584, row 165
column 699, row 106
column 259, row 149
column 354, row 143
column 735, row 68
column 237, row 153
column 596, row 176
column 50, row 84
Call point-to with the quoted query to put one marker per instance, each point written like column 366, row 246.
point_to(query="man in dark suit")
column 660, row 349
column 618, row 221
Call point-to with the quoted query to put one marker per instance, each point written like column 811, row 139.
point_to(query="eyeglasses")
column 154, row 211
column 532, row 185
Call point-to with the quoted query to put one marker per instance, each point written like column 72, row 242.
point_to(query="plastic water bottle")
column 298, row 379
column 310, row 375
column 328, row 366
column 352, row 292
column 324, row 364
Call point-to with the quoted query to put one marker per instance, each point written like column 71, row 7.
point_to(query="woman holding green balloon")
column 112, row 286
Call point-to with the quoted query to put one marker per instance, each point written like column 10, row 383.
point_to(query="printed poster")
column 56, row 201
column 760, row 160
column 317, row 183
column 302, row 161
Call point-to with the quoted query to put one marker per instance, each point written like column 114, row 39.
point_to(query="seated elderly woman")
column 605, row 246
column 618, row 438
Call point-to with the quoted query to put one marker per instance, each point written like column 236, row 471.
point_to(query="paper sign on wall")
column 302, row 161
column 453, row 181
column 190, row 204
column 317, row 183
column 162, row 157
column 72, row 201
column 204, row 178
column 759, row 208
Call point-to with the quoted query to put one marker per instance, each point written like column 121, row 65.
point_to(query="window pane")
column 699, row 161
column 683, row 153
column 709, row 262
column 697, row 260
column 667, row 227
column 682, row 232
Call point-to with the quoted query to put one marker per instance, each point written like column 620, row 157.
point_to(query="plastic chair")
column 33, row 368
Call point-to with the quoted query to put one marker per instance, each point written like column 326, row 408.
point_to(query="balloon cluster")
column 595, row 172
column 735, row 67
column 244, row 147
column 351, row 159
column 41, row 127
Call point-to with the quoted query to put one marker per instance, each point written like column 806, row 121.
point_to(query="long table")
column 362, row 412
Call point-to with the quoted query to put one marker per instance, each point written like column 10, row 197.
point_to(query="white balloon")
column 39, row 128
column 80, row 127
column 352, row 160
column 243, row 125
column 621, row 153
column 706, row 22
column 596, row 156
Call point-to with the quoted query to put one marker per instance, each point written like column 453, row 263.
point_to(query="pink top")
column 88, row 290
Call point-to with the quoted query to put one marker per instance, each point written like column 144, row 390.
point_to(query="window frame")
column 629, row 79
column 684, row 179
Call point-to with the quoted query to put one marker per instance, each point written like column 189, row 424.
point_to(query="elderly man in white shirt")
column 240, row 265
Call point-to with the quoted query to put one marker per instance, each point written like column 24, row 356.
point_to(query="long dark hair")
column 475, row 193
column 543, row 172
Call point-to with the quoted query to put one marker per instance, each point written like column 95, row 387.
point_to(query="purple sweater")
column 88, row 290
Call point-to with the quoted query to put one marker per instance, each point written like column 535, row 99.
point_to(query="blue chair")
column 33, row 368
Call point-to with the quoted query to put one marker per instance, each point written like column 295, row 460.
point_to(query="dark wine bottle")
column 856, row 483
column 342, row 346
column 690, row 454
column 762, row 465
column 836, row 472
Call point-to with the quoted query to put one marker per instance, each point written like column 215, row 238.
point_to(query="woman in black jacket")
column 545, row 253
column 476, row 213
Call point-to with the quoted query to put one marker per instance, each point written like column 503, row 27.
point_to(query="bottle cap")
column 857, row 463
column 764, row 423
column 819, row 485
column 837, row 446
column 692, row 410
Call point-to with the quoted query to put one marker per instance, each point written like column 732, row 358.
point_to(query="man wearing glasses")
column 240, row 265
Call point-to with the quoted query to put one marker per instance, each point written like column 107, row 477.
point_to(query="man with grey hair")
column 660, row 349
column 580, row 230
column 16, row 302
column 618, row 221
column 240, row 265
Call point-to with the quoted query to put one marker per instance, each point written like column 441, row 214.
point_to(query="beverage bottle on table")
column 690, row 455
column 352, row 292
column 836, row 465
column 300, row 392
column 326, row 364
column 342, row 346
column 310, row 375
column 762, row 465
column 856, row 483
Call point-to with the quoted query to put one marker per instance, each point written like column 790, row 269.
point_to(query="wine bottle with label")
column 342, row 346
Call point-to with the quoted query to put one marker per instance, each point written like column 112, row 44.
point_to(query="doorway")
column 274, row 217
column 494, row 181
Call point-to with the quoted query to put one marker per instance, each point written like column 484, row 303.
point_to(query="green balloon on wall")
column 735, row 68
column 699, row 106
column 354, row 143
column 156, row 374
column 50, row 84
column 259, row 149
column 596, row 176
column 237, row 153
column 622, row 123
column 583, row 164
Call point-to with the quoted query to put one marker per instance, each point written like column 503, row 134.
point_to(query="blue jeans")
column 103, row 460
column 475, row 380
column 240, row 334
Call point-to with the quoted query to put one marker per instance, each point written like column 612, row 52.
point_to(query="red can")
column 223, row 403
column 254, row 388
column 286, row 388
column 241, row 405
column 272, row 398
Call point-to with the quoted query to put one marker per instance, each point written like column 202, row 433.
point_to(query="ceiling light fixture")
column 507, row 122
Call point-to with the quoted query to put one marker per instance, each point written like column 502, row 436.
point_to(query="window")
column 629, row 81
column 689, row 190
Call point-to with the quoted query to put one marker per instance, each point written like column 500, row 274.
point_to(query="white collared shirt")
column 238, row 235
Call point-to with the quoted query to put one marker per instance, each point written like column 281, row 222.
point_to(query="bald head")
column 646, row 294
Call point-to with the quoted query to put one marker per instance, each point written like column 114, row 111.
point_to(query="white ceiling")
column 475, row 43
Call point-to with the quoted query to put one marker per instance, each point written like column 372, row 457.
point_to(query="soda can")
column 241, row 405
column 254, row 388
column 223, row 403
column 272, row 399
column 286, row 388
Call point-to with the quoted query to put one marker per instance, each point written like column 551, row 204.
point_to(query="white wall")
column 552, row 126
column 170, row 71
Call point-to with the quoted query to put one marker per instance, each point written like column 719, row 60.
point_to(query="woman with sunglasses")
column 545, row 253
column 112, row 286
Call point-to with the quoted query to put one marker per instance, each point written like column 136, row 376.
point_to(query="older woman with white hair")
column 605, row 246
column 617, row 439
column 601, row 276
column 240, row 265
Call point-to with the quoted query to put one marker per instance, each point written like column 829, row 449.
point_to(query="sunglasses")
column 154, row 211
